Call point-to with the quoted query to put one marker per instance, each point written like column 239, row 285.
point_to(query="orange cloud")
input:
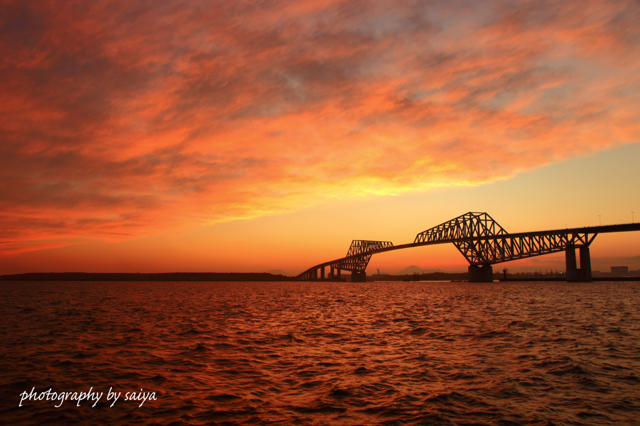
column 123, row 119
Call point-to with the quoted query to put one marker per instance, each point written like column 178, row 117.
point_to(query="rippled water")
column 323, row 353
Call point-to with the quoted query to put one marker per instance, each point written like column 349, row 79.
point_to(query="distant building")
column 619, row 269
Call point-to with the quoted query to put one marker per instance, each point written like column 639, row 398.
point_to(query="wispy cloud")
column 122, row 119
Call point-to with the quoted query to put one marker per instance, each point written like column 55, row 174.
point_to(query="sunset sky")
column 162, row 136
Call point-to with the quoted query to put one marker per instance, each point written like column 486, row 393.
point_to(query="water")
column 323, row 353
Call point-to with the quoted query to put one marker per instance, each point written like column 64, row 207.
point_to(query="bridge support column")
column 339, row 275
column 572, row 265
column 358, row 277
column 584, row 273
column 322, row 273
column 335, row 275
column 573, row 272
column 480, row 274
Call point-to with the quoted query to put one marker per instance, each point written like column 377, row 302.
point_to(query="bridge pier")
column 335, row 274
column 481, row 274
column 322, row 273
column 573, row 272
column 358, row 277
column 584, row 273
column 571, row 263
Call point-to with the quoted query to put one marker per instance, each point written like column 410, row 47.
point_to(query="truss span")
column 359, row 255
column 468, row 225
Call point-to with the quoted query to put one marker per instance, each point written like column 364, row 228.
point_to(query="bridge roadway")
column 483, row 242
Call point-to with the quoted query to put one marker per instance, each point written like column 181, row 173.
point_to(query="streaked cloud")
column 121, row 119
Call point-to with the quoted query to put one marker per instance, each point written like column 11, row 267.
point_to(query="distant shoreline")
column 127, row 276
column 252, row 276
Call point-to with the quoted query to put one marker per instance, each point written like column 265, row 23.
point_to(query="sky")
column 162, row 136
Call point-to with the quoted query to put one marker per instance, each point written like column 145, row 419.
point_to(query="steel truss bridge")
column 483, row 242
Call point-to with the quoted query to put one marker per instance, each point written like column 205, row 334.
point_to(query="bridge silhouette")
column 483, row 242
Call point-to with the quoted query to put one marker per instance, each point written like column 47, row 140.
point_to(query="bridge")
column 483, row 242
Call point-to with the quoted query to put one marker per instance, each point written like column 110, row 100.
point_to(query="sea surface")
column 534, row 353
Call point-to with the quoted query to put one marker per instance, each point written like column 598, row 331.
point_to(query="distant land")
column 212, row 276
column 265, row 276
column 429, row 276
column 171, row 276
column 277, row 272
column 413, row 269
